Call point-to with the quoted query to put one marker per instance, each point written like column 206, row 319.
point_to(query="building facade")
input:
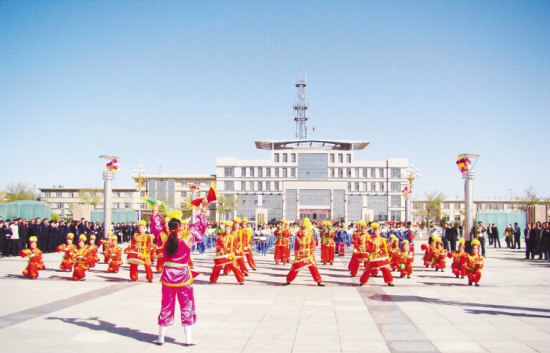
column 315, row 179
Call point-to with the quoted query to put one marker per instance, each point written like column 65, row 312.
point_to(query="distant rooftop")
column 342, row 145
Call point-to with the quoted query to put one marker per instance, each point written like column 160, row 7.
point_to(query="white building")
column 315, row 179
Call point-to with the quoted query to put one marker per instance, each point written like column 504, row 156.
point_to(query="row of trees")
column 432, row 208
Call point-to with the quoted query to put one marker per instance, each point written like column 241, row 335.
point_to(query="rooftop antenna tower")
column 300, row 110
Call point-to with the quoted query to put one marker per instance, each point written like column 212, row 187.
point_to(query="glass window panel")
column 293, row 158
column 291, row 205
column 396, row 201
column 314, row 197
column 274, row 206
column 285, row 158
column 395, row 172
column 247, row 206
column 395, row 186
column 276, row 158
column 251, row 170
column 229, row 185
column 312, row 166
column 268, row 172
column 355, row 206
column 228, row 172
column 380, row 206
column 339, row 203
column 243, row 172
column 381, row 172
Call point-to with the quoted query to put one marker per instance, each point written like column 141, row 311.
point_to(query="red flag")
column 212, row 196
column 314, row 129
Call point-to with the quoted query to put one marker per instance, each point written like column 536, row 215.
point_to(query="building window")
column 70, row 194
column 373, row 173
column 340, row 172
column 116, row 205
column 332, row 158
column 349, row 186
column 116, row 194
column 458, row 206
column 293, row 158
column 58, row 194
column 395, row 186
column 312, row 166
column 243, row 172
column 260, row 172
column 127, row 194
column 251, row 185
column 284, row 173
column 292, row 172
column 396, row 173
column 285, row 158
column 446, row 206
column 381, row 186
column 143, row 206
column 260, row 186
column 59, row 205
column 276, row 158
column 268, row 172
column 267, row 186
column 381, row 171
column 380, row 206
column 276, row 185
column 332, row 172
column 457, row 218
column 143, row 194
column 229, row 185
column 243, row 185
column 348, row 172
column 276, row 172
column 396, row 201
column 228, row 172
column 364, row 172
column 251, row 170
column 340, row 158
column 315, row 197
column 127, row 206
column 396, row 216
column 356, row 186
column 182, row 194
column 373, row 186
column 348, row 157
column 46, row 194
column 365, row 187
column 510, row 207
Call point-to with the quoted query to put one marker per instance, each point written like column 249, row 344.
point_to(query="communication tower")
column 300, row 111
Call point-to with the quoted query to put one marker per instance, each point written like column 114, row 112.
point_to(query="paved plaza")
column 430, row 312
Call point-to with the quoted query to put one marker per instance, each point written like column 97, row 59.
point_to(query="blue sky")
column 180, row 83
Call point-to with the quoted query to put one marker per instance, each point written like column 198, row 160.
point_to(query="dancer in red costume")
column 474, row 263
column 35, row 259
column 140, row 245
column 246, row 240
column 429, row 250
column 81, row 264
column 305, row 254
column 327, row 243
column 225, row 256
column 395, row 252
column 439, row 257
column 459, row 264
column 379, row 258
column 68, row 253
column 114, row 254
column 360, row 253
column 406, row 260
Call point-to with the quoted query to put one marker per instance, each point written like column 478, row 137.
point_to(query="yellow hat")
column 70, row 236
column 142, row 223
column 33, row 239
column 306, row 223
column 405, row 242
column 177, row 214
column 461, row 241
column 82, row 238
column 374, row 225
column 109, row 233
column 185, row 221
column 361, row 223
column 228, row 223
column 393, row 236
column 92, row 237
column 475, row 242
column 167, row 219
column 436, row 239
column 237, row 220
column 244, row 220
column 114, row 237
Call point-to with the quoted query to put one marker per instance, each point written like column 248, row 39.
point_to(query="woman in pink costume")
column 176, row 277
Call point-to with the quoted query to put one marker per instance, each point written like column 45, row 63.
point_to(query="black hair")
column 172, row 241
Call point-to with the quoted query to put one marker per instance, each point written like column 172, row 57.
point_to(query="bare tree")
column 432, row 208
column 91, row 196
column 227, row 204
column 530, row 198
column 19, row 191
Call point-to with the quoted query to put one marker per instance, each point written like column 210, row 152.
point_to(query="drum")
column 256, row 238
column 263, row 239
column 298, row 265
column 411, row 247
column 222, row 260
column 134, row 258
column 363, row 256
column 160, row 255
column 379, row 262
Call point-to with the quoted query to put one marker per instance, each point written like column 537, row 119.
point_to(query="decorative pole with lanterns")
column 465, row 166
column 139, row 177
column 108, row 176
column 410, row 175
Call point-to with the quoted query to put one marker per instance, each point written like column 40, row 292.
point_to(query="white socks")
column 162, row 331
column 188, row 335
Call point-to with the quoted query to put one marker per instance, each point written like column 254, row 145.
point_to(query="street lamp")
column 139, row 177
column 468, row 174
column 410, row 175
column 108, row 177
